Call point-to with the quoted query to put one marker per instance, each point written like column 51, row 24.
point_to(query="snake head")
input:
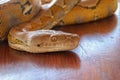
column 47, row 41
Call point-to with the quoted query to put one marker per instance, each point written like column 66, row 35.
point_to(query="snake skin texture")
column 23, row 18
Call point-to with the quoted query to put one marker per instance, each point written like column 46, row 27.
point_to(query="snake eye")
column 53, row 39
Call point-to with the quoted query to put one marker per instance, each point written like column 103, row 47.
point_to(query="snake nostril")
column 38, row 45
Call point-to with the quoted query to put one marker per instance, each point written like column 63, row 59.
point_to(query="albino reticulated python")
column 45, row 14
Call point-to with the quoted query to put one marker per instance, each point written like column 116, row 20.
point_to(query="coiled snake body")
column 30, row 36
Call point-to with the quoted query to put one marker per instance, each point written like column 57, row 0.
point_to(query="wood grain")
column 96, row 58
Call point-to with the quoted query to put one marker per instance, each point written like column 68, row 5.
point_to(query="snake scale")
column 27, row 22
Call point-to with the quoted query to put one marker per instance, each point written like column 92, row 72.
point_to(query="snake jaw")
column 50, row 41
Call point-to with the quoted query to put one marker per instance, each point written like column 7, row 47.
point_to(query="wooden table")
column 96, row 58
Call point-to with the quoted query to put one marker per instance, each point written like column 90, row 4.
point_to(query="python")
column 19, row 19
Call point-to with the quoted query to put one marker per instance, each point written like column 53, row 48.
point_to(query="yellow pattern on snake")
column 25, row 20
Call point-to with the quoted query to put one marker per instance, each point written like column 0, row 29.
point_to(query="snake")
column 27, row 24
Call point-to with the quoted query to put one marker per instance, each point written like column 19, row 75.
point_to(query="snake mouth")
column 43, row 47
column 55, row 46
